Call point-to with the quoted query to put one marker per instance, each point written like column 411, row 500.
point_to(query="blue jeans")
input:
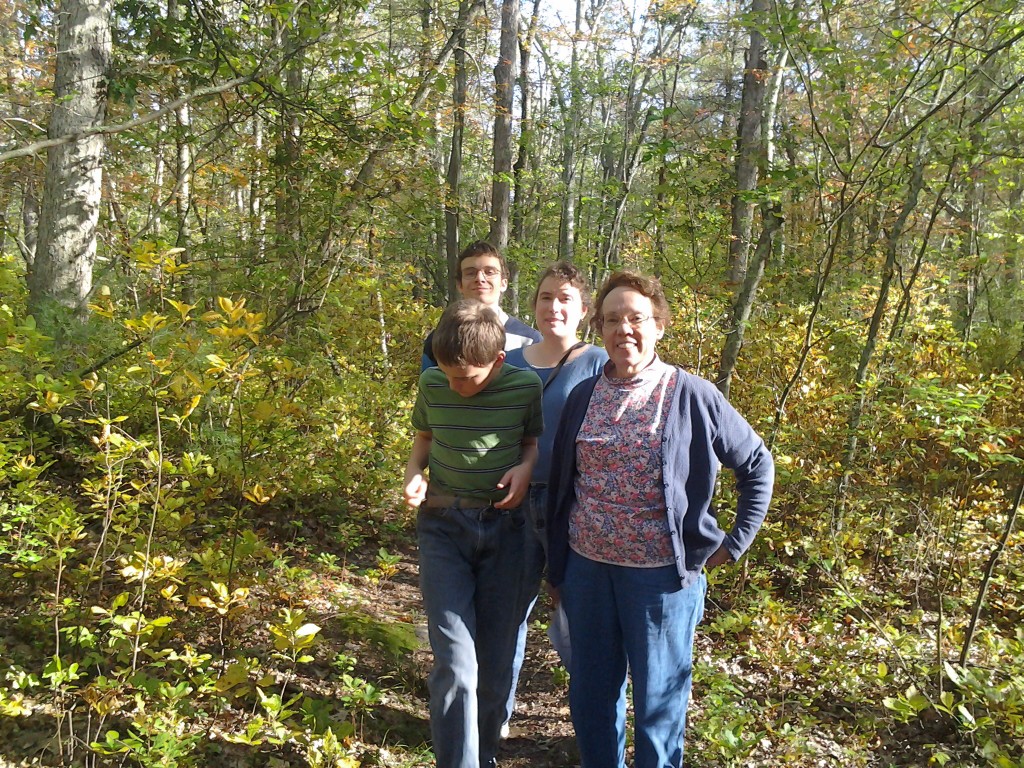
column 471, row 564
column 533, row 572
column 644, row 617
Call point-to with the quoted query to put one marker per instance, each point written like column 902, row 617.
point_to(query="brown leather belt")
column 444, row 500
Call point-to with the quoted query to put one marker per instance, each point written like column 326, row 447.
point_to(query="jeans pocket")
column 517, row 519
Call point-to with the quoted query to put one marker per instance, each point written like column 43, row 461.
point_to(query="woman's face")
column 629, row 330
column 559, row 308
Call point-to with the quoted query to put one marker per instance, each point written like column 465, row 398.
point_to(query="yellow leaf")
column 263, row 410
column 182, row 307
column 258, row 496
column 191, row 406
column 168, row 592
column 233, row 675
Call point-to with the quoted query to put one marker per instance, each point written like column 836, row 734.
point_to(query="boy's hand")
column 415, row 484
column 517, row 481
column 416, row 490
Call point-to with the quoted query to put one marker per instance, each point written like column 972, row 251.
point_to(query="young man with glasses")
column 483, row 275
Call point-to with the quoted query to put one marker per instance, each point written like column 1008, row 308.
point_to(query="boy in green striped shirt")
column 477, row 420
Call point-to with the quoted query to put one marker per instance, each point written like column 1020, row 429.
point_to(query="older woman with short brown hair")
column 631, row 529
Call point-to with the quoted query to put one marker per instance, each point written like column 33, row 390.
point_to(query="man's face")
column 481, row 278
column 469, row 380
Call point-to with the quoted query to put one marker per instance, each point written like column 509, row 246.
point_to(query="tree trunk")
column 183, row 169
column 29, row 224
column 504, row 90
column 748, row 143
column 289, row 193
column 878, row 315
column 257, row 210
column 453, row 181
column 526, row 131
column 61, row 277
column 570, row 135
column 1011, row 518
column 771, row 223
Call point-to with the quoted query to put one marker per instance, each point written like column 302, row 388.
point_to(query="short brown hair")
column 642, row 284
column 566, row 272
column 468, row 333
column 480, row 248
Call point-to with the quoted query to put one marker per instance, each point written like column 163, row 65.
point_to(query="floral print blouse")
column 620, row 515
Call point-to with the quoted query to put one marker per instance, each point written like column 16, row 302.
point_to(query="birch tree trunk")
column 29, row 224
column 61, row 276
column 183, row 169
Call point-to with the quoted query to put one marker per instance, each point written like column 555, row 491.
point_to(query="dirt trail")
column 541, row 734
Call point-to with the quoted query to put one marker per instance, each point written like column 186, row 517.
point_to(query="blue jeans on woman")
column 535, row 507
column 471, row 562
column 642, row 617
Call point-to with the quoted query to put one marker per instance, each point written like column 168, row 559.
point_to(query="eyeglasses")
column 470, row 273
column 633, row 321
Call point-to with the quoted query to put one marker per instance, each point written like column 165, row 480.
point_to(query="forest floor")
column 541, row 733
column 366, row 602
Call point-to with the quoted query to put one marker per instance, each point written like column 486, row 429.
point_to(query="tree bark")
column 29, row 224
column 61, row 276
column 526, row 131
column 504, row 90
column 893, row 239
column 771, row 224
column 183, row 170
column 570, row 135
column 288, row 213
column 453, row 179
column 748, row 143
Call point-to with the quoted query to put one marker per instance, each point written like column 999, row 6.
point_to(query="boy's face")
column 468, row 380
column 481, row 278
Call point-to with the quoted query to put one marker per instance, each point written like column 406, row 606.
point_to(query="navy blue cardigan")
column 702, row 430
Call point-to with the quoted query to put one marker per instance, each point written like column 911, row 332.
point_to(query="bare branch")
column 202, row 93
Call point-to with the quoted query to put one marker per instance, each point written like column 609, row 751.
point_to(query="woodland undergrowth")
column 197, row 504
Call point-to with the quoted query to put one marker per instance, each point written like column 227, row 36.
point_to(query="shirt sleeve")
column 535, row 413
column 743, row 451
column 419, row 410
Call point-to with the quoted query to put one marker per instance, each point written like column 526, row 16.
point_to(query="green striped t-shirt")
column 477, row 439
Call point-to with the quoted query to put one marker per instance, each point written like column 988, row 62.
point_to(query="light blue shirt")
column 588, row 363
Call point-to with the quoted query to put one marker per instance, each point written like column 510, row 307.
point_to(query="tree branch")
column 168, row 108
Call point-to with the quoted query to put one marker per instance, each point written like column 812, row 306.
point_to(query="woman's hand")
column 720, row 557
column 555, row 594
